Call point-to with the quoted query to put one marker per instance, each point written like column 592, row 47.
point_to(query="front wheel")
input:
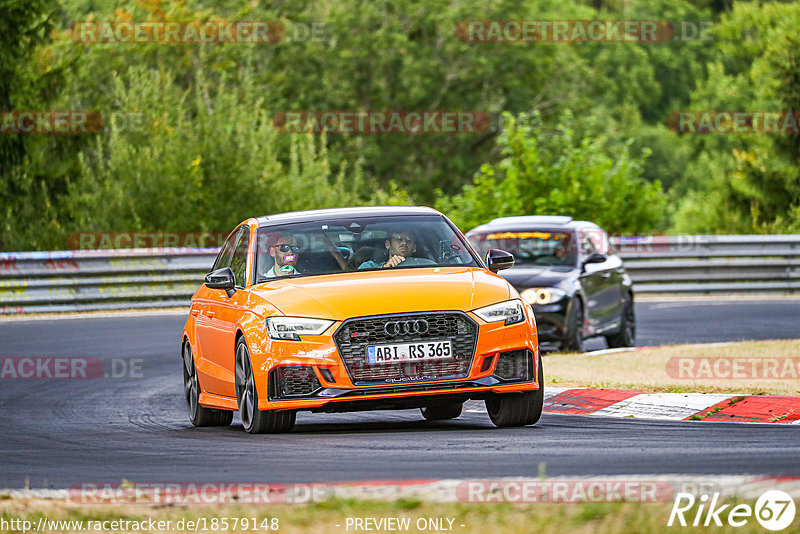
column 199, row 415
column 573, row 339
column 517, row 409
column 626, row 337
column 256, row 421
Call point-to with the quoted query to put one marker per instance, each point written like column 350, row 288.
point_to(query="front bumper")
column 551, row 320
column 330, row 386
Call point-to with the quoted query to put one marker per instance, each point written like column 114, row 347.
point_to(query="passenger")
column 284, row 251
column 400, row 244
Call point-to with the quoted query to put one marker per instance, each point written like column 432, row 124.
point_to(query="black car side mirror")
column 595, row 257
column 497, row 260
column 221, row 279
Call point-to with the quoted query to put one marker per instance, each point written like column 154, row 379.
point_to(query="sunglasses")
column 287, row 248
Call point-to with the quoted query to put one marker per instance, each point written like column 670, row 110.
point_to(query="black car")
column 569, row 272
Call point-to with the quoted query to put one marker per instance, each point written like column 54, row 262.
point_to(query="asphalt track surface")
column 57, row 433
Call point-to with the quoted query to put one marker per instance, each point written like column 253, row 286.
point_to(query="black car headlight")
column 543, row 295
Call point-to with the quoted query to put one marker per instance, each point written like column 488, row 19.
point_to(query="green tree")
column 559, row 172
column 747, row 182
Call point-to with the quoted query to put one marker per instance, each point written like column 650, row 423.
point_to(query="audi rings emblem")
column 398, row 328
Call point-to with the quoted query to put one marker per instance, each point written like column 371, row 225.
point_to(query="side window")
column 226, row 252
column 594, row 241
column 588, row 242
column 239, row 260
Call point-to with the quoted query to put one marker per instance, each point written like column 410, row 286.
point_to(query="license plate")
column 409, row 352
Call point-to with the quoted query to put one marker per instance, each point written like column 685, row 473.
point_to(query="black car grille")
column 515, row 365
column 292, row 381
column 353, row 337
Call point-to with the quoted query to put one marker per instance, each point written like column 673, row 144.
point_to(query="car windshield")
column 539, row 247
column 358, row 244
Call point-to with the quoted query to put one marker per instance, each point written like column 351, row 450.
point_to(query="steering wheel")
column 413, row 260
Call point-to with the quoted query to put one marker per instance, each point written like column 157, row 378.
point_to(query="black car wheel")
column 441, row 412
column 573, row 340
column 199, row 415
column 626, row 337
column 517, row 409
column 256, row 421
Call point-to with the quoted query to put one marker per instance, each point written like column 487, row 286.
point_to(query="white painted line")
column 451, row 490
column 552, row 392
column 674, row 406
column 613, row 351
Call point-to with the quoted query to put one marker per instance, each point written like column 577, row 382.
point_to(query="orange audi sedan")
column 357, row 309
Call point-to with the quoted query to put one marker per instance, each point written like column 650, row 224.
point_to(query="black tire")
column 626, row 337
column 573, row 341
column 441, row 412
column 256, row 421
column 199, row 415
column 517, row 409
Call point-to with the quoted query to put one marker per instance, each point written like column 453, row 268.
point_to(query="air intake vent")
column 515, row 365
column 292, row 381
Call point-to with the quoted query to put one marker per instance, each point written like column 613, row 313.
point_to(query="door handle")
column 211, row 314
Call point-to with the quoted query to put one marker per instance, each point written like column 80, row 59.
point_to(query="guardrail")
column 63, row 281
column 709, row 264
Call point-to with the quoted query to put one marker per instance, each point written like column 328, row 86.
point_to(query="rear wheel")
column 199, row 415
column 256, row 421
column 441, row 412
column 573, row 341
column 517, row 409
column 626, row 337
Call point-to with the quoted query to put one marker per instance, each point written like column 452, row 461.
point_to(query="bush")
column 559, row 172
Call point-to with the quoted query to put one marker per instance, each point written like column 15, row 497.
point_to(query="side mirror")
column 221, row 279
column 595, row 257
column 497, row 260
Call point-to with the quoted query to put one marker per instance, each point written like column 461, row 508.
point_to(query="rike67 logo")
column 774, row 510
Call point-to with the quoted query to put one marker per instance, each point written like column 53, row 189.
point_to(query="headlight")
column 293, row 327
column 543, row 295
column 510, row 311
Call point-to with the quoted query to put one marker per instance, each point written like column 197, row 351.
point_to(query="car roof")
column 337, row 213
column 538, row 222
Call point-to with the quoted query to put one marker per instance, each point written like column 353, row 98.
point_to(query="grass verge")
column 652, row 370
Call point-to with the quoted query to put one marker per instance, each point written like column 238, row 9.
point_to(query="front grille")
column 292, row 381
column 353, row 337
column 514, row 365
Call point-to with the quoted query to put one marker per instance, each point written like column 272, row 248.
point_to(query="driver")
column 400, row 243
column 284, row 251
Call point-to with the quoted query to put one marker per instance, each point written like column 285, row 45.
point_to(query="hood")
column 524, row 276
column 355, row 294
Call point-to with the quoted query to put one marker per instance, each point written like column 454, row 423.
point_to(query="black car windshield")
column 358, row 244
column 539, row 247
